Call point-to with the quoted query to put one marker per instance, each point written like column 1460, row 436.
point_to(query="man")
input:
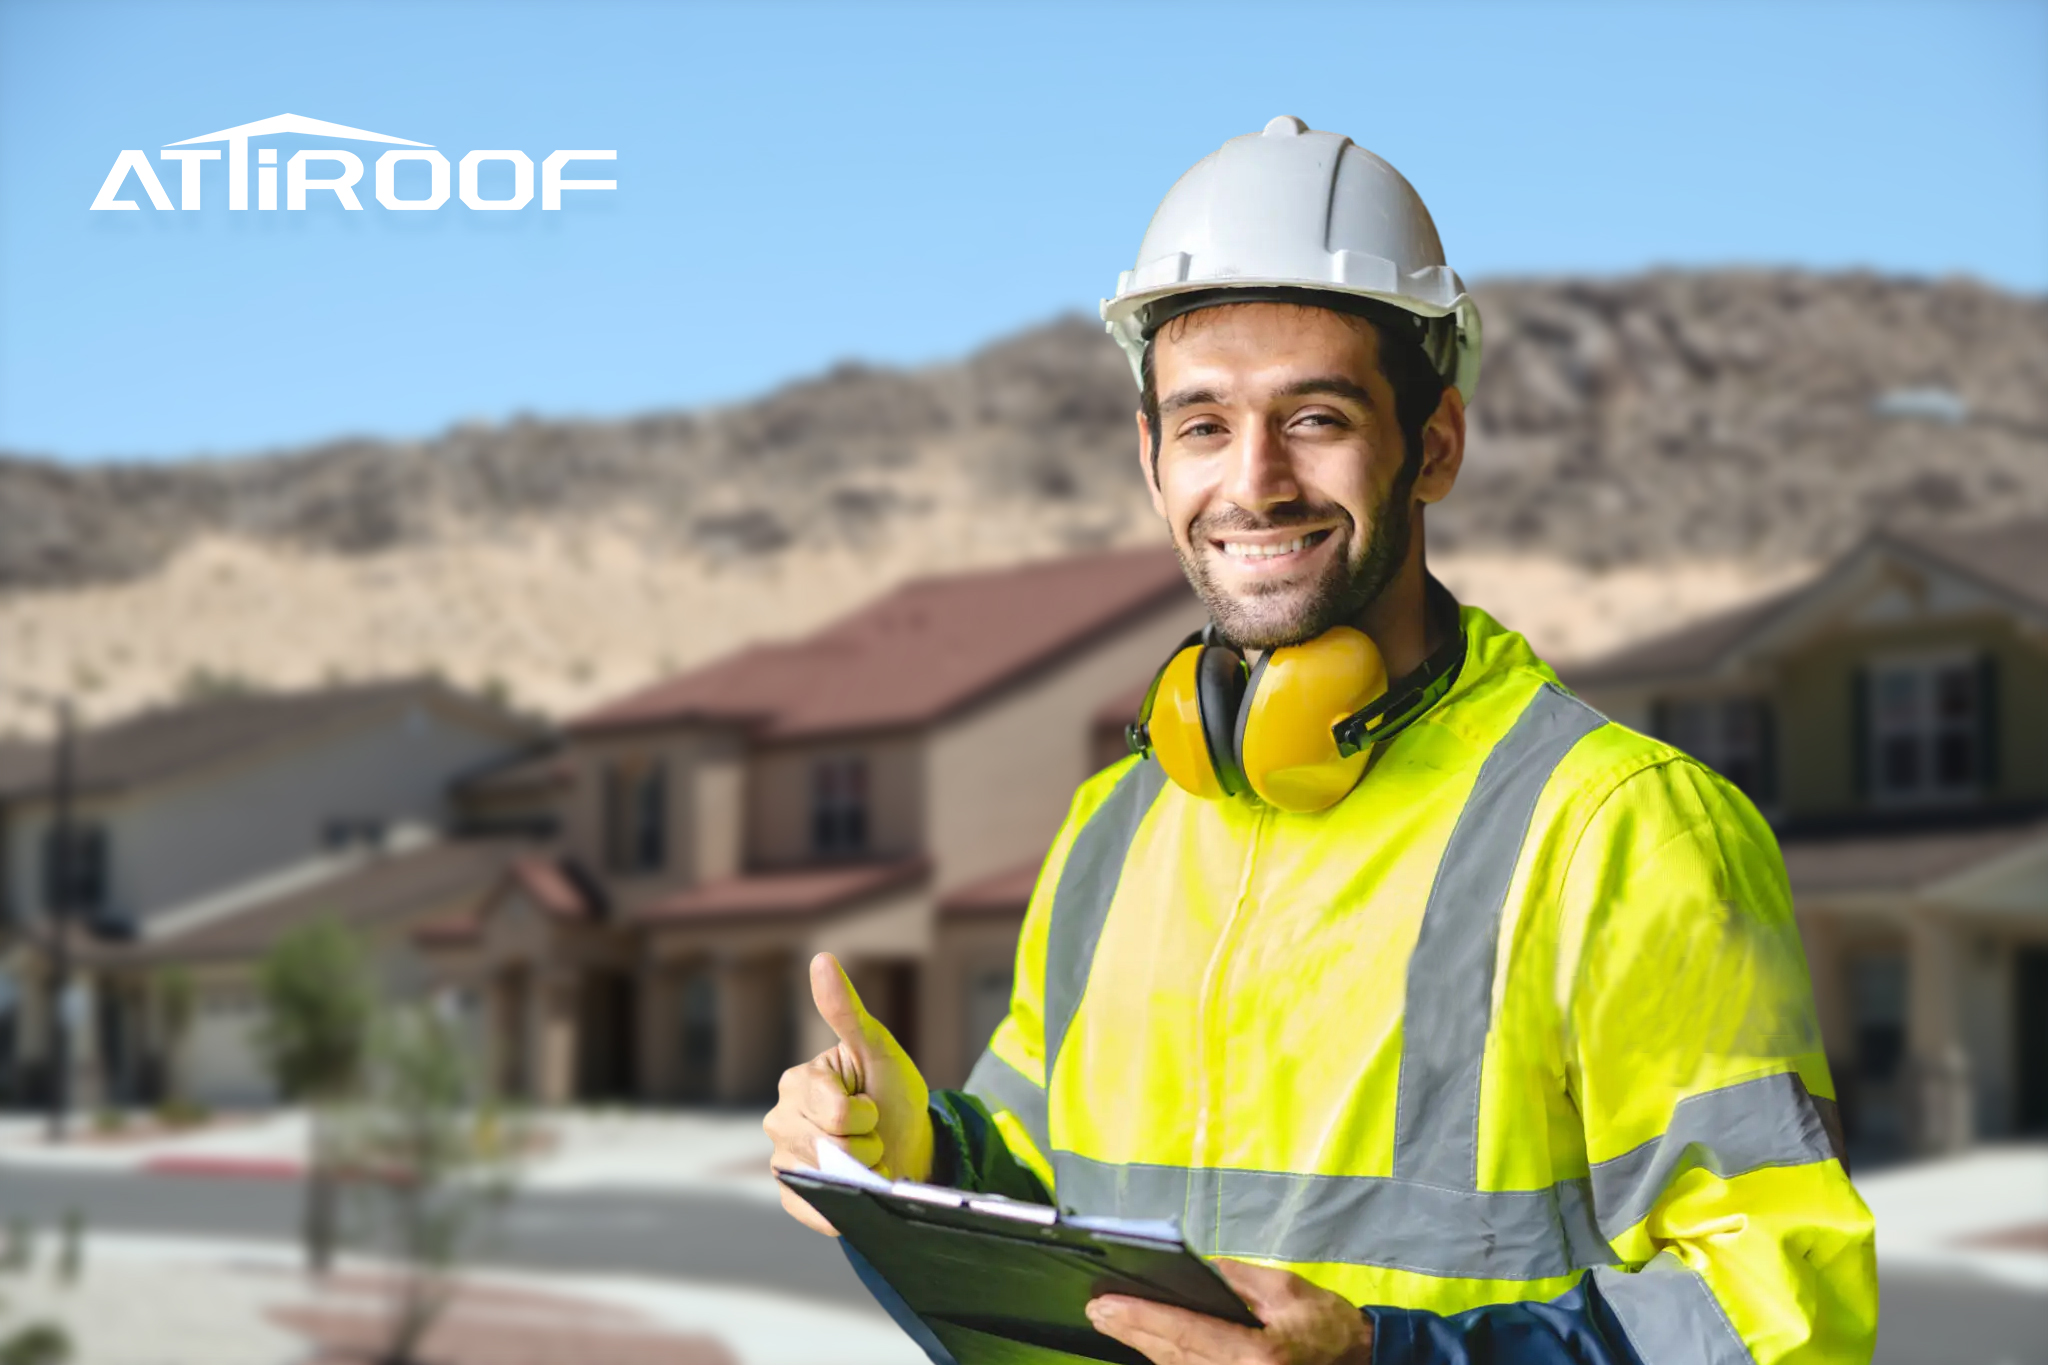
column 1462, row 1007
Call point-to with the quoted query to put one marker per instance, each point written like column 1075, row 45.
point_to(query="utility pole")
column 62, row 876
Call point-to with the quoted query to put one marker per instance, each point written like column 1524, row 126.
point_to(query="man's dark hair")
column 1418, row 388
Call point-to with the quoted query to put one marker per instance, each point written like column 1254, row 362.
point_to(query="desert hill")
column 1643, row 449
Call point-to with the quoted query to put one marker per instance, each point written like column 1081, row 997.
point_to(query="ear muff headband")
column 1409, row 698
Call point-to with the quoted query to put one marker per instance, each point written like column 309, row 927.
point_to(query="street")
column 1929, row 1318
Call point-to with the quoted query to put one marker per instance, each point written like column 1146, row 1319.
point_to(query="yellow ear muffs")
column 1286, row 746
column 1191, row 717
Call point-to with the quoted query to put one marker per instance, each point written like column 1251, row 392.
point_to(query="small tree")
column 174, row 1002
column 439, row 1161
column 319, row 1004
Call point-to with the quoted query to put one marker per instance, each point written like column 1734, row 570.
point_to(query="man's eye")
column 1321, row 419
column 1198, row 429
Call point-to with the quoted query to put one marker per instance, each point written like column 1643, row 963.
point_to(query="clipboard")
column 985, row 1280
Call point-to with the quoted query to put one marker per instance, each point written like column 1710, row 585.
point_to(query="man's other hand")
column 863, row 1092
column 1305, row 1324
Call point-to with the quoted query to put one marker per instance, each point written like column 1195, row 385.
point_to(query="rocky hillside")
column 1765, row 416
column 1643, row 450
column 1769, row 416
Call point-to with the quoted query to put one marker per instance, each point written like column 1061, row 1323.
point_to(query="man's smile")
column 1271, row 552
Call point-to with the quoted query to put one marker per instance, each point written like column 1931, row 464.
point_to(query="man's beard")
column 1287, row 614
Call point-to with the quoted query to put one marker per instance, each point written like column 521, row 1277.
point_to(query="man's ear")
column 1148, row 467
column 1443, row 448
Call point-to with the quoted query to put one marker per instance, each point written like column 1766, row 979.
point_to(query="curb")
column 228, row 1167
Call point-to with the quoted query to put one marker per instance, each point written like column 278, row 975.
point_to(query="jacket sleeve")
column 998, row 1127
column 1692, row 1053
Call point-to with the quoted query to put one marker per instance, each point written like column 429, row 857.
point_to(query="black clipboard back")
column 993, row 1281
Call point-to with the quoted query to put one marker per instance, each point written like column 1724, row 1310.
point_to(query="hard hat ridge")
column 1290, row 208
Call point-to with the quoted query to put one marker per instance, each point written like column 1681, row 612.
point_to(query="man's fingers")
column 805, row 1214
column 837, row 1002
column 836, row 1112
column 866, row 1149
column 1174, row 1336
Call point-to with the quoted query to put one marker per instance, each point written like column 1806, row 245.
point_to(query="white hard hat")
column 1288, row 209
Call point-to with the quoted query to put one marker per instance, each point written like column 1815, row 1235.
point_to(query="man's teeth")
column 1240, row 549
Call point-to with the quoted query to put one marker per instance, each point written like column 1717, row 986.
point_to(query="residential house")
column 202, row 829
column 884, row 788
column 1890, row 718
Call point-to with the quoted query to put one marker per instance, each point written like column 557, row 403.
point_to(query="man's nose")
column 1263, row 473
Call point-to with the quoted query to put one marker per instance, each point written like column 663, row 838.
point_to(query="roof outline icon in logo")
column 295, row 123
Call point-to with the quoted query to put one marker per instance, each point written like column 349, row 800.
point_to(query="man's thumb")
column 837, row 1002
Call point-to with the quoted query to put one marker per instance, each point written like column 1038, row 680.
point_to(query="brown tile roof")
column 1692, row 649
column 548, row 884
column 1898, row 860
column 169, row 742
column 516, row 776
column 546, row 879
column 1005, row 893
column 384, row 890
column 920, row 653
column 783, row 895
column 2011, row 558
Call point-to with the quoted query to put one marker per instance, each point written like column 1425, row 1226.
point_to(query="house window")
column 1731, row 735
column 839, row 806
column 77, row 884
column 1926, row 729
column 636, row 816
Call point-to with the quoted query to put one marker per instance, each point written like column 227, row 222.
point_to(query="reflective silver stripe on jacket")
column 1671, row 1316
column 1448, row 1009
column 1095, row 863
column 1350, row 1219
column 1001, row 1086
column 1769, row 1121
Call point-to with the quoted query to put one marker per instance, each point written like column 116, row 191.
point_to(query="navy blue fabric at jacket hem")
column 969, row 1154
column 1575, row 1328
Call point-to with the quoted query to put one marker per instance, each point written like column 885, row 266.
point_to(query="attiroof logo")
column 344, row 171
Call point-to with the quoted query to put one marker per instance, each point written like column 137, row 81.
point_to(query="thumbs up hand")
column 863, row 1092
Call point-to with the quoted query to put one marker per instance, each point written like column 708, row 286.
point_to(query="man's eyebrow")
column 1335, row 384
column 1188, row 398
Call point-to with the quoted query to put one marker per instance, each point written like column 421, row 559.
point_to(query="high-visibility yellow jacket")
column 1523, row 1020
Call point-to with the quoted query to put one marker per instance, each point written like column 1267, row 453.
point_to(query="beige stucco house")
column 883, row 788
column 201, row 831
column 1890, row 717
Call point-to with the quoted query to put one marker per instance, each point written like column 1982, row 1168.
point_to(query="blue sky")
column 799, row 184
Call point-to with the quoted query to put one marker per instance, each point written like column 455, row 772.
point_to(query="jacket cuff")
column 952, row 1164
column 1397, row 1336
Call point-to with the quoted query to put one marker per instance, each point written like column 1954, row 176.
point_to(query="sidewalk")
column 187, row 1301
column 1984, row 1212
column 683, row 1150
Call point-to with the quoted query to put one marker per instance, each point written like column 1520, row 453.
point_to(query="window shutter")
column 1987, row 722
column 1859, row 729
column 54, row 871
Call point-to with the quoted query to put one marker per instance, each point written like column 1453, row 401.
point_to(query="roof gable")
column 918, row 654
column 176, row 741
column 1893, row 578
